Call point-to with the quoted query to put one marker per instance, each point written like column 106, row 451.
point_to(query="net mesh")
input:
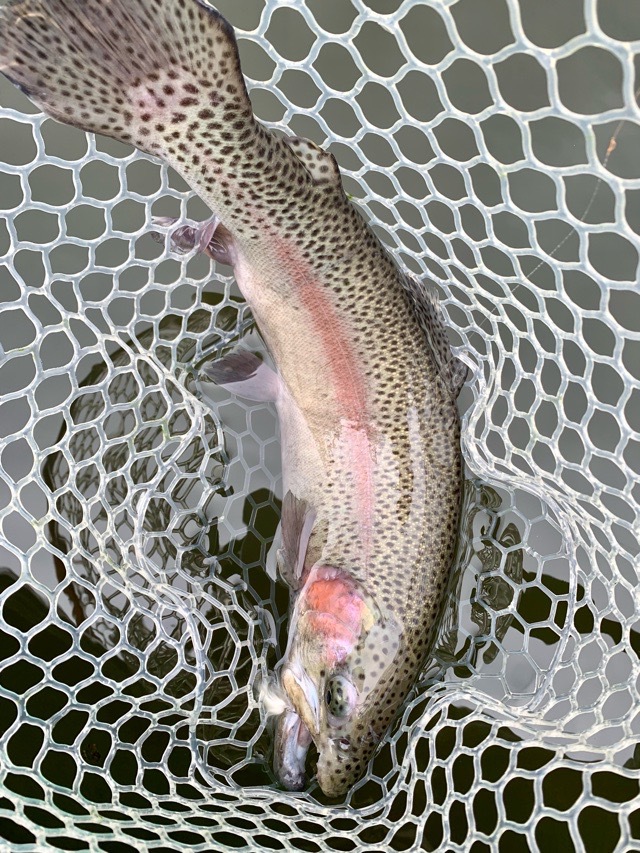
column 491, row 143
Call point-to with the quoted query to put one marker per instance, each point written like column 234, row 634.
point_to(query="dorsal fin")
column 426, row 305
column 320, row 164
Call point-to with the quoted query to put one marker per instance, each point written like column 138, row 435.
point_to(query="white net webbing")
column 493, row 143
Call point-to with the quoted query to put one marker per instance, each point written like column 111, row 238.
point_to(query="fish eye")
column 340, row 697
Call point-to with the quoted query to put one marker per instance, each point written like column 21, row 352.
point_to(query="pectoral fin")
column 296, row 526
column 246, row 375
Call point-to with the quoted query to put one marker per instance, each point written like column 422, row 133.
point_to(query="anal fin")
column 320, row 164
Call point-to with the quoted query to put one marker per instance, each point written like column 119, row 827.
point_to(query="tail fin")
column 129, row 69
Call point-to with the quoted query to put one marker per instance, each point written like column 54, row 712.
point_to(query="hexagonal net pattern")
column 492, row 145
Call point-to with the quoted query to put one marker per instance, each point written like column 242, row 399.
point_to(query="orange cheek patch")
column 334, row 639
column 338, row 598
column 336, row 615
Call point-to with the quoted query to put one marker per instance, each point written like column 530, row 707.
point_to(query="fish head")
column 340, row 676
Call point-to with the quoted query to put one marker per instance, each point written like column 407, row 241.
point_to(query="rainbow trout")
column 366, row 400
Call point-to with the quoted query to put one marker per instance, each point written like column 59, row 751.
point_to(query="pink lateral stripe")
column 346, row 379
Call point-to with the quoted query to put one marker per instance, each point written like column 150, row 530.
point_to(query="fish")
column 359, row 366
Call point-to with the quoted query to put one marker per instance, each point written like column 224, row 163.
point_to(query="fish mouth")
column 292, row 744
column 303, row 695
column 298, row 727
column 302, row 724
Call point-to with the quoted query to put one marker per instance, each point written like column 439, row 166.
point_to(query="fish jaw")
column 292, row 744
column 303, row 695
column 344, row 746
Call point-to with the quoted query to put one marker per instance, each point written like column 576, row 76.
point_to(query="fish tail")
column 144, row 72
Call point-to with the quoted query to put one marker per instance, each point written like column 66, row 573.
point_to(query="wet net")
column 493, row 144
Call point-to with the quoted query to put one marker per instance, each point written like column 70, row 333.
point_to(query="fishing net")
column 493, row 145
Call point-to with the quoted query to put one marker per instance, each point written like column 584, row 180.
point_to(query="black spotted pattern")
column 164, row 75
